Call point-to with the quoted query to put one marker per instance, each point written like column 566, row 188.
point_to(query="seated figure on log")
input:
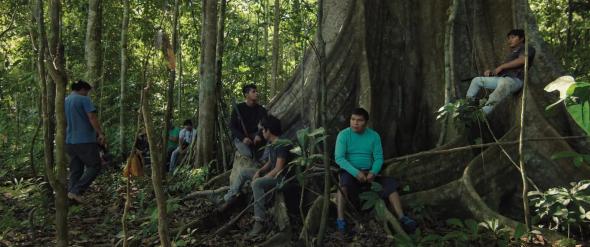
column 359, row 154
column 185, row 138
column 265, row 177
column 244, row 123
column 508, row 77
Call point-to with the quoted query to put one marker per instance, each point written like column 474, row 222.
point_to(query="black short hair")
column 516, row 32
column 361, row 112
column 272, row 124
column 79, row 85
column 246, row 89
column 188, row 122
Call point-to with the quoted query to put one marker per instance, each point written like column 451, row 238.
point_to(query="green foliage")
column 187, row 179
column 464, row 113
column 467, row 233
column 552, row 19
column 305, row 148
column 562, row 208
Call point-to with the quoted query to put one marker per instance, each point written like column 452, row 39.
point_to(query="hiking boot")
column 75, row 197
column 408, row 224
column 256, row 229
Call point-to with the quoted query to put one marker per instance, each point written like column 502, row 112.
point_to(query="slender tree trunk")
column 449, row 67
column 275, row 87
column 123, row 78
column 156, row 156
column 207, row 99
column 266, row 45
column 92, row 46
column 169, row 51
column 323, row 106
column 53, row 58
column 570, row 17
column 220, row 44
column 525, row 184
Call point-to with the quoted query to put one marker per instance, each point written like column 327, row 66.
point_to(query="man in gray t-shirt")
column 509, row 76
column 83, row 137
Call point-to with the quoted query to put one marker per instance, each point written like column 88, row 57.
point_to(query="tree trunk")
column 123, row 78
column 207, row 100
column 92, row 48
column 220, row 44
column 404, row 49
column 156, row 156
column 275, row 84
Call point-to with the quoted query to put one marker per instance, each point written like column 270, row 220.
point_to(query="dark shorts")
column 353, row 186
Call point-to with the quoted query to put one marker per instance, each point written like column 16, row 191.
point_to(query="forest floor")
column 27, row 217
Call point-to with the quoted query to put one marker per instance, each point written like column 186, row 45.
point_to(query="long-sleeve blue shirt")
column 359, row 151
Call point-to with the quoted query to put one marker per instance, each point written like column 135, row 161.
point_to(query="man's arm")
column 181, row 139
column 262, row 169
column 510, row 65
column 377, row 156
column 281, row 162
column 235, row 125
column 96, row 125
column 340, row 156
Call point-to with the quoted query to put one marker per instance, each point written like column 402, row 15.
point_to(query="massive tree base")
column 387, row 56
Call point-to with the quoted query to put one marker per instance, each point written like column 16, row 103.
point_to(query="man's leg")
column 259, row 186
column 173, row 159
column 76, row 168
column 348, row 186
column 91, row 158
column 234, row 188
column 390, row 192
column 505, row 87
column 481, row 82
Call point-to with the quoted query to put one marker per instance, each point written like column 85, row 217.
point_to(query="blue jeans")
column 84, row 166
column 502, row 86
column 234, row 188
column 259, row 186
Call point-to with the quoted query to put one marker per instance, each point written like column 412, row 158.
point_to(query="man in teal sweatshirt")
column 360, row 157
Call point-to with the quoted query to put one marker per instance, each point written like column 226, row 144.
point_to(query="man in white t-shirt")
column 185, row 138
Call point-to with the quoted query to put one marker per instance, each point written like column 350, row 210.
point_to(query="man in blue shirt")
column 83, row 137
column 360, row 156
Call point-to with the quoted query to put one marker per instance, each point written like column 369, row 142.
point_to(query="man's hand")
column 370, row 177
column 361, row 177
column 487, row 73
column 102, row 140
column 247, row 141
column 256, row 175
column 498, row 70
column 257, row 140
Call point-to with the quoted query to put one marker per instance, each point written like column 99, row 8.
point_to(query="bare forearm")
column 513, row 64
column 95, row 124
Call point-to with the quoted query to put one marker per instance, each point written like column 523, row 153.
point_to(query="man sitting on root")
column 359, row 154
column 264, row 178
column 508, row 77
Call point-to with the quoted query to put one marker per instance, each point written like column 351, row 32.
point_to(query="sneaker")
column 75, row 197
column 408, row 224
column 341, row 225
column 256, row 229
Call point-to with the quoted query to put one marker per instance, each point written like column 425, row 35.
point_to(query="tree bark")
column 156, row 156
column 92, row 48
column 123, row 78
column 404, row 47
column 207, row 92
column 275, row 84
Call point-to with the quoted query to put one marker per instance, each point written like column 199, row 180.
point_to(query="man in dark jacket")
column 244, row 122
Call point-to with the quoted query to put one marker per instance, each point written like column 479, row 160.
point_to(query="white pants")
column 502, row 86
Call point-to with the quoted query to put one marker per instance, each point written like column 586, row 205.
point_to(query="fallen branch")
column 201, row 193
column 216, row 178
column 426, row 153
